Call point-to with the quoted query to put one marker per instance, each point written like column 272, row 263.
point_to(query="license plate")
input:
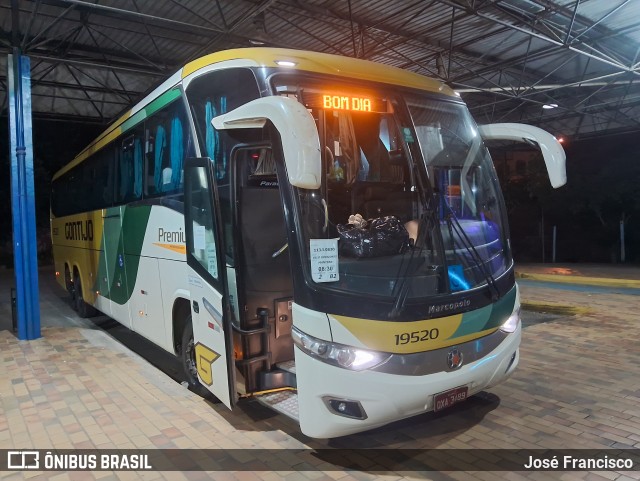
column 448, row 398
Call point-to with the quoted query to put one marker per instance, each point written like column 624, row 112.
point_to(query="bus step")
column 289, row 366
column 285, row 402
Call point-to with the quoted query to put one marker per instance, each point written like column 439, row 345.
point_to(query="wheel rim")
column 190, row 360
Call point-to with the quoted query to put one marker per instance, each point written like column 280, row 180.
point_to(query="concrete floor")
column 93, row 384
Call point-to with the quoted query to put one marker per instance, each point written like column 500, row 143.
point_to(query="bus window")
column 210, row 95
column 168, row 142
column 98, row 181
column 203, row 248
column 130, row 167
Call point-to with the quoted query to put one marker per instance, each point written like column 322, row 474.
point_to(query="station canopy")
column 569, row 66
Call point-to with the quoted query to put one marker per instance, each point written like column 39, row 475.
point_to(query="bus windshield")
column 409, row 197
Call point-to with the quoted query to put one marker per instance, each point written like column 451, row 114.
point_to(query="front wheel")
column 188, row 357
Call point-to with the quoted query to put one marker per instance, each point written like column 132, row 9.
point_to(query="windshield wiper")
column 427, row 220
column 454, row 225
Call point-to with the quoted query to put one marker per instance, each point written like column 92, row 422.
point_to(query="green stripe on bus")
column 123, row 242
column 487, row 317
column 162, row 101
column 159, row 103
column 133, row 120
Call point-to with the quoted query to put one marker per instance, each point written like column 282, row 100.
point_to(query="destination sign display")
column 346, row 102
column 342, row 101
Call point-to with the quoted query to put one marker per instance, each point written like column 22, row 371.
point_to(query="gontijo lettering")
column 79, row 230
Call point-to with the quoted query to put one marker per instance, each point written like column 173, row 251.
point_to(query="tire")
column 67, row 282
column 70, row 288
column 83, row 309
column 188, row 359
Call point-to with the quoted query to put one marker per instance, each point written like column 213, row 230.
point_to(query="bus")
column 324, row 234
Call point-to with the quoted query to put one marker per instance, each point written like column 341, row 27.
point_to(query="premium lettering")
column 170, row 236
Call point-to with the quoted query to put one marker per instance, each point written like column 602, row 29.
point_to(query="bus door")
column 264, row 275
column 210, row 307
column 263, row 268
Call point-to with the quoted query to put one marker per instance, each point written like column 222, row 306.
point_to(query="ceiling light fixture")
column 549, row 106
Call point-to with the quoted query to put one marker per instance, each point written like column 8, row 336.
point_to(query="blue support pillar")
column 25, row 255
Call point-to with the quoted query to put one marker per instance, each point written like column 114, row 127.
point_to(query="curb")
column 553, row 308
column 589, row 281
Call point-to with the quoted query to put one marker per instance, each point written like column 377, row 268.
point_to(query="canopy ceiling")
column 508, row 58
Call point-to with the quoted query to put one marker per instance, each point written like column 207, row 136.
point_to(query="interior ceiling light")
column 549, row 106
column 286, row 63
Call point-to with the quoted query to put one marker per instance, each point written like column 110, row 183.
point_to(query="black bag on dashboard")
column 383, row 236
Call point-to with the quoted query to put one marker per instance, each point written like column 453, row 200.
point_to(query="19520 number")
column 417, row 336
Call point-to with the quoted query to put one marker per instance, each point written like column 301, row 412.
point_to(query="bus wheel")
column 188, row 356
column 83, row 309
column 67, row 282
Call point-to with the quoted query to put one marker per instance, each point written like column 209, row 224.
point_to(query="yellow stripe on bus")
column 408, row 337
column 324, row 63
column 180, row 248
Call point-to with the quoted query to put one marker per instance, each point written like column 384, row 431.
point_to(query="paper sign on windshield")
column 324, row 260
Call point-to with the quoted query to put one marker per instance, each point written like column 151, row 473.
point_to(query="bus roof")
column 267, row 57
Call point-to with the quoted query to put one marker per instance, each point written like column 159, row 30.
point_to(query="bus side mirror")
column 297, row 129
column 552, row 151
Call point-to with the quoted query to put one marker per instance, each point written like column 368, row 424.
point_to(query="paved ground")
column 612, row 275
column 577, row 386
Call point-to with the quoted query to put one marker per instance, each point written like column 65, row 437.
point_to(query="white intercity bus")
column 323, row 233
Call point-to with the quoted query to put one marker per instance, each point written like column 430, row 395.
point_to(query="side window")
column 202, row 224
column 89, row 180
column 168, row 142
column 63, row 194
column 107, row 170
column 214, row 94
column 92, row 181
column 210, row 95
column 129, row 160
column 97, row 174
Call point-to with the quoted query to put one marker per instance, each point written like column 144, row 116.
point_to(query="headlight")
column 511, row 324
column 346, row 357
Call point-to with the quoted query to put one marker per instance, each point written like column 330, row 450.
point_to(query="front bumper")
column 385, row 396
